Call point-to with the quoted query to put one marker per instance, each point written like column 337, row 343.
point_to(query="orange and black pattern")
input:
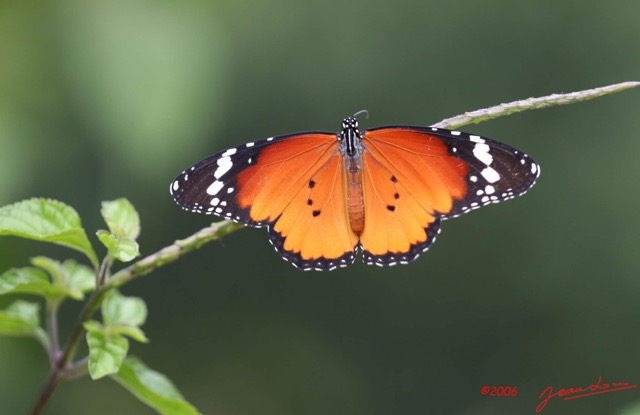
column 386, row 190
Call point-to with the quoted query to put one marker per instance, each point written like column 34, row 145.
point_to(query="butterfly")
column 385, row 191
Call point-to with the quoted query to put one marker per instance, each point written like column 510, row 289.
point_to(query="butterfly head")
column 350, row 137
column 350, row 123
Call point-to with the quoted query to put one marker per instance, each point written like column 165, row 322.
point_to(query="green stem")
column 52, row 331
column 485, row 114
column 173, row 252
column 77, row 369
column 103, row 272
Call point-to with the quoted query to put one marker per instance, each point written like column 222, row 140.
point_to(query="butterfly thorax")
column 351, row 147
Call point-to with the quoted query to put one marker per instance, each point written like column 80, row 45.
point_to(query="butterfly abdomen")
column 355, row 198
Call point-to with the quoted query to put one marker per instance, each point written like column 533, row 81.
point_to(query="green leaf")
column 21, row 319
column 122, row 218
column 124, row 224
column 106, row 353
column 69, row 278
column 122, row 249
column 118, row 309
column 134, row 332
column 29, row 280
column 48, row 221
column 123, row 315
column 53, row 267
column 79, row 277
column 153, row 388
column 92, row 325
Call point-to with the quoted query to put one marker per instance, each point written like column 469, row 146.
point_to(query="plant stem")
column 49, row 388
column 52, row 331
column 485, row 114
column 77, row 369
column 62, row 362
column 173, row 252
column 105, row 266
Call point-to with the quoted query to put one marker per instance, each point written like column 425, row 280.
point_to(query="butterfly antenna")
column 362, row 112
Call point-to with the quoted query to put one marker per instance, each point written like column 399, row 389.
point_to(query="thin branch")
column 173, row 252
column 47, row 391
column 485, row 114
column 77, row 369
column 105, row 266
column 52, row 332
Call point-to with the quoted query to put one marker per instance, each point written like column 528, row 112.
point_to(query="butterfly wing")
column 293, row 184
column 413, row 177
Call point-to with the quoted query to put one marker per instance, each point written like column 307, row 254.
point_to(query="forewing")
column 292, row 184
column 413, row 177
column 457, row 172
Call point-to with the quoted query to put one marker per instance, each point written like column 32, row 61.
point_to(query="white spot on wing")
column 215, row 188
column 251, row 144
column 224, row 165
column 534, row 168
column 176, row 186
column 230, row 152
column 476, row 139
column 490, row 189
column 490, row 175
column 215, row 201
column 455, row 132
column 481, row 151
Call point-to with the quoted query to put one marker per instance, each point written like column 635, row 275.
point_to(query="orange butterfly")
column 322, row 195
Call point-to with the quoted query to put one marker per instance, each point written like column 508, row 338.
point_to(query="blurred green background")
column 100, row 100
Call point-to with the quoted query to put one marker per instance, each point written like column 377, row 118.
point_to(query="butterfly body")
column 385, row 190
column 351, row 148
